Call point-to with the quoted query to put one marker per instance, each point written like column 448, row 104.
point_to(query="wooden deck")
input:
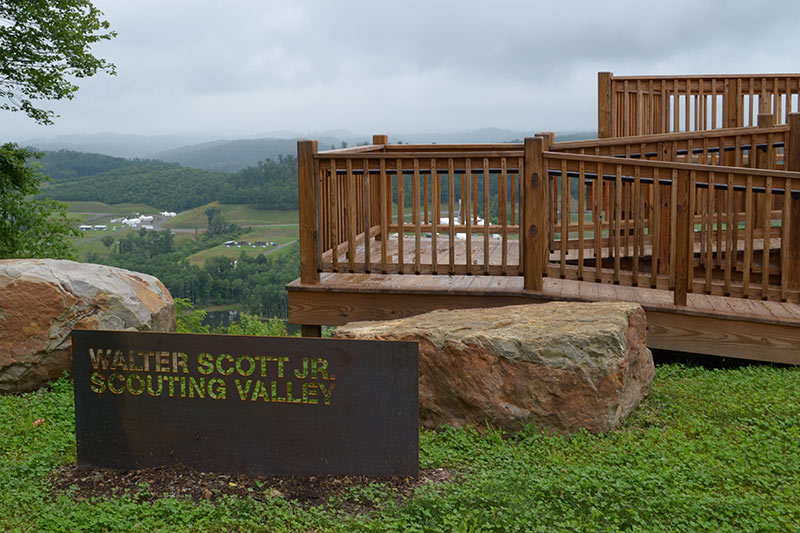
column 714, row 325
column 688, row 204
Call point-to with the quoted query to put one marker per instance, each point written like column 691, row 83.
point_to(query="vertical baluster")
column 709, row 216
column 766, row 218
column 637, row 214
column 350, row 221
column 786, row 222
column 597, row 218
column 581, row 210
column 565, row 218
column 335, row 216
column 415, row 214
column 367, row 218
column 673, row 219
column 469, row 215
column 435, row 207
column 748, row 236
column 655, row 235
column 730, row 223
column 617, row 221
column 386, row 211
column 487, row 215
column 503, row 212
column 451, row 184
column 401, row 216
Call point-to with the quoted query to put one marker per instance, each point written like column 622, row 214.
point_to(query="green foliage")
column 269, row 185
column 30, row 227
column 44, row 44
column 217, row 224
column 708, row 450
column 189, row 319
column 248, row 324
column 257, row 282
column 165, row 186
column 65, row 165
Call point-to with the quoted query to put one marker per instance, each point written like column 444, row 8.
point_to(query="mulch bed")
column 186, row 483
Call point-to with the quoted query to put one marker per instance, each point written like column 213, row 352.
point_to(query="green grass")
column 278, row 234
column 243, row 215
column 708, row 450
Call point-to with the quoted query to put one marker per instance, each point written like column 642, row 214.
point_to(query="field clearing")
column 279, row 234
column 242, row 215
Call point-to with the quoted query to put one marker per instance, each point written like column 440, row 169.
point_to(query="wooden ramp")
column 713, row 325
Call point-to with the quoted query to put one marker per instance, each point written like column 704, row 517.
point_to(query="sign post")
column 250, row 405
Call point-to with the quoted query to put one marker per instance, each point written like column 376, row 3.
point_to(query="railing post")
column 375, row 201
column 683, row 239
column 766, row 120
column 792, row 156
column 730, row 100
column 604, row 105
column 308, row 195
column 534, row 210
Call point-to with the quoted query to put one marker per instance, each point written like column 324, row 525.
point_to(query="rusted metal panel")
column 252, row 405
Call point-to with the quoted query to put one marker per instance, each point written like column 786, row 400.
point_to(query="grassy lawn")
column 243, row 215
column 708, row 450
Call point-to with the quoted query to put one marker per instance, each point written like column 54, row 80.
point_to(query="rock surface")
column 42, row 300
column 560, row 366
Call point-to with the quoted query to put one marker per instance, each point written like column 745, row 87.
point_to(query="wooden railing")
column 676, row 226
column 755, row 147
column 644, row 105
column 433, row 209
column 671, row 211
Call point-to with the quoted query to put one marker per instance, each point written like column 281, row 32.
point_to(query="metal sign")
column 251, row 405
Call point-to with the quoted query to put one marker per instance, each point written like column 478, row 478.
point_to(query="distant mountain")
column 484, row 135
column 229, row 156
column 113, row 144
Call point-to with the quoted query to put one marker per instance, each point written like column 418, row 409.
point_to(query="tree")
column 30, row 227
column 43, row 44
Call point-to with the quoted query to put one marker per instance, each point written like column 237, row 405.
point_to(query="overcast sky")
column 249, row 67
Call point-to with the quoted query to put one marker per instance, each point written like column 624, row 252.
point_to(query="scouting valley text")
column 278, row 379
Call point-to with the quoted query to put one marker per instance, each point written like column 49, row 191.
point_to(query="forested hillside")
column 268, row 185
column 65, row 165
column 168, row 186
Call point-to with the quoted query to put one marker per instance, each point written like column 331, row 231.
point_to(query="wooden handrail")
column 642, row 105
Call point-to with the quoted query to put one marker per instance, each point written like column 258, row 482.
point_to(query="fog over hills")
column 230, row 155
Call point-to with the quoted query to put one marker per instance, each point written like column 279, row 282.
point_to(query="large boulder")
column 559, row 366
column 42, row 300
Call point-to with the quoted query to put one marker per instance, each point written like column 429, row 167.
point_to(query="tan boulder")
column 42, row 300
column 560, row 366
